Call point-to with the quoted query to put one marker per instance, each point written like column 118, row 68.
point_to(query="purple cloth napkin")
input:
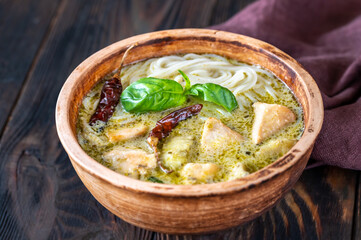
column 325, row 37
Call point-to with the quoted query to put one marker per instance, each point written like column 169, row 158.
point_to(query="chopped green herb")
column 154, row 179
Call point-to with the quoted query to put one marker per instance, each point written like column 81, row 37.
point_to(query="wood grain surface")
column 41, row 197
column 23, row 28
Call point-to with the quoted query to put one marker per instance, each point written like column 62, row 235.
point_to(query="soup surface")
column 214, row 146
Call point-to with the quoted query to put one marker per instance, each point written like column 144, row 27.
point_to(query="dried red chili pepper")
column 110, row 95
column 164, row 126
column 109, row 99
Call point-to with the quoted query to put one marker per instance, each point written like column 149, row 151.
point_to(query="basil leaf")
column 155, row 180
column 186, row 79
column 214, row 93
column 152, row 94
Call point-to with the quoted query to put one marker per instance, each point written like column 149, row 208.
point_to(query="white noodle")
column 247, row 82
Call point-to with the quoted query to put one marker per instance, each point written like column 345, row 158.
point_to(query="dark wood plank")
column 357, row 216
column 23, row 27
column 158, row 15
column 225, row 9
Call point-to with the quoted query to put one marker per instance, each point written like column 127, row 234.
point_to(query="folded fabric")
column 325, row 37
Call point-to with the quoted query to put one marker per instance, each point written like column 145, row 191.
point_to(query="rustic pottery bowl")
column 197, row 208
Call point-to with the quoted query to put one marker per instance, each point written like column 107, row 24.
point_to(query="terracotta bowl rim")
column 88, row 164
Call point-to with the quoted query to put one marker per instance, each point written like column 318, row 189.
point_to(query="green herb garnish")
column 214, row 93
column 155, row 94
column 155, row 180
column 152, row 94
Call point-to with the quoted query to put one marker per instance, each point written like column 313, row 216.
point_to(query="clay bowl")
column 197, row 208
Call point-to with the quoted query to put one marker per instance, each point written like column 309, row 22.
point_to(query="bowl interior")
column 169, row 42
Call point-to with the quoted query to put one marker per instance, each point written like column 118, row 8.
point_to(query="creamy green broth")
column 94, row 140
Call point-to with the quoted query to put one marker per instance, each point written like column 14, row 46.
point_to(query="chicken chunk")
column 199, row 172
column 131, row 162
column 275, row 148
column 217, row 136
column 175, row 151
column 238, row 171
column 124, row 134
column 269, row 119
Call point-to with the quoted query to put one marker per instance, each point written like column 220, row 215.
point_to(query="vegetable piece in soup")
column 248, row 119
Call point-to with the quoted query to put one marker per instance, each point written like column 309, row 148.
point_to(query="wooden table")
column 41, row 197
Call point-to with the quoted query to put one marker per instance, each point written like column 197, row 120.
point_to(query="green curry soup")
column 220, row 161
